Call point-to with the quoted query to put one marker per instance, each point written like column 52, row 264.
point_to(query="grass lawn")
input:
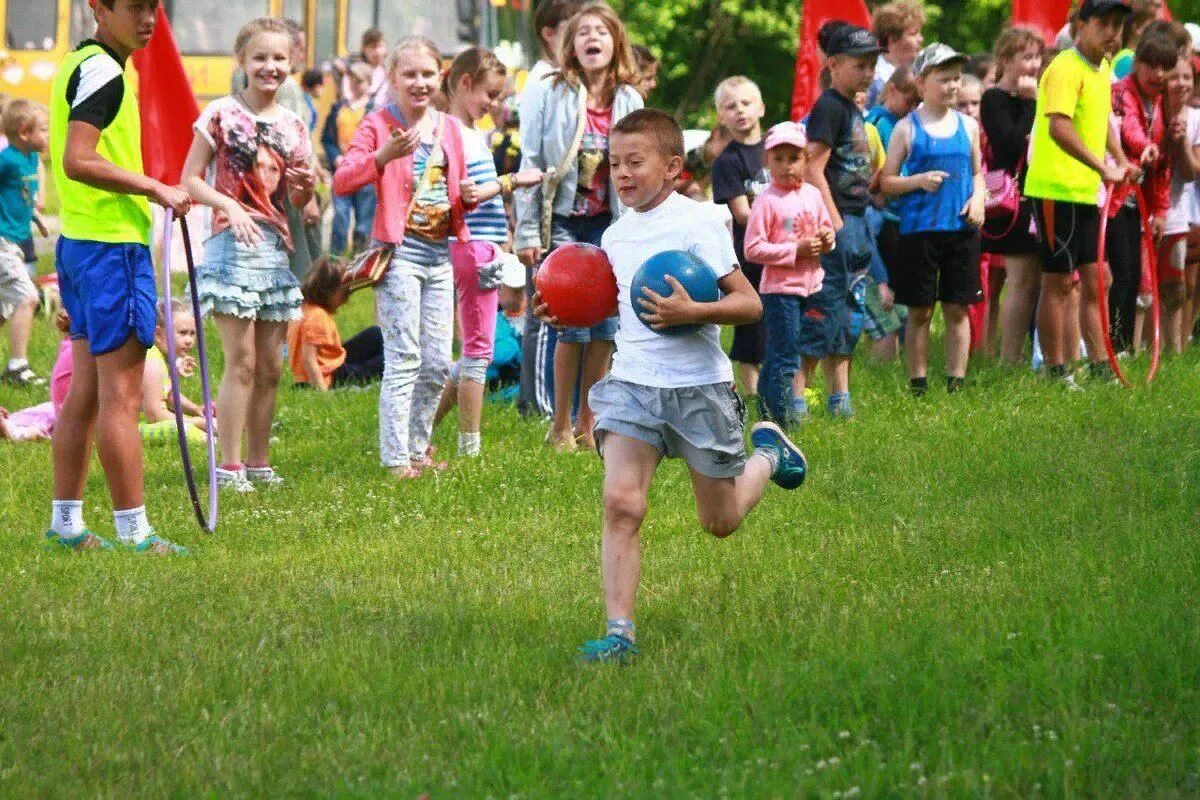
column 994, row 594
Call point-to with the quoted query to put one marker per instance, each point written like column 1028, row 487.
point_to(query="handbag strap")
column 553, row 177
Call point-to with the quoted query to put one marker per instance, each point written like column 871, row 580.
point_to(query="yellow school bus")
column 39, row 33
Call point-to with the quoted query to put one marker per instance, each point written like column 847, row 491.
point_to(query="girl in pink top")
column 37, row 422
column 788, row 230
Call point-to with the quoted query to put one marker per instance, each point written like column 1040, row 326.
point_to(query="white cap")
column 512, row 271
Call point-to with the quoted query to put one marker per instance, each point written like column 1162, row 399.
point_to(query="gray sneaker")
column 264, row 476
column 234, row 480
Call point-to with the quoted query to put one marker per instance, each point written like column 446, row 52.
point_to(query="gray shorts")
column 15, row 284
column 703, row 425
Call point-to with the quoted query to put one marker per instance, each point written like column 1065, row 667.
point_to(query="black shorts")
column 1074, row 240
column 750, row 341
column 938, row 266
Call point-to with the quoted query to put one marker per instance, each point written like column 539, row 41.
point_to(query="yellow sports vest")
column 89, row 213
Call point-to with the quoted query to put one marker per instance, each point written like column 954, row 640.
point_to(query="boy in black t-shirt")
column 738, row 176
column 839, row 165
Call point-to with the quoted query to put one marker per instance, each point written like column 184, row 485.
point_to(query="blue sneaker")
column 612, row 648
column 84, row 541
column 153, row 545
column 793, row 466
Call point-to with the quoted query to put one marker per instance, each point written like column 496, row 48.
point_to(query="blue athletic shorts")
column 109, row 292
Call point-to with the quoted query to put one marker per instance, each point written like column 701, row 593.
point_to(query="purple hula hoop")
column 207, row 522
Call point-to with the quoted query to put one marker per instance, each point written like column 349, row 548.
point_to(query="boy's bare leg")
column 19, row 328
column 75, row 428
column 629, row 466
column 1051, row 314
column 1071, row 334
column 1089, row 310
column 916, row 340
column 722, row 504
column 567, row 356
column 837, row 374
column 119, row 377
column 597, row 357
column 958, row 339
column 748, row 375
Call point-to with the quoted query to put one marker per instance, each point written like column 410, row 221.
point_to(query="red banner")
column 808, row 65
column 168, row 106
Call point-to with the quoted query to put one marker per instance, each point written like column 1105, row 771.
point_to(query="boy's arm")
column 891, row 181
column 738, row 305
column 974, row 209
column 739, row 207
column 1066, row 137
column 82, row 163
column 814, row 173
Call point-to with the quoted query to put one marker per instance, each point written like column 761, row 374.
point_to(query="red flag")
column 168, row 106
column 1045, row 16
column 808, row 65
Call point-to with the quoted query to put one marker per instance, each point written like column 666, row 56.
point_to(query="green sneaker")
column 153, row 545
column 793, row 466
column 84, row 541
column 613, row 648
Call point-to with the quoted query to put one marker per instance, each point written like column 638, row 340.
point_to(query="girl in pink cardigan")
column 414, row 156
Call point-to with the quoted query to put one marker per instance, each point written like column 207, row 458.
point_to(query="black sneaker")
column 23, row 376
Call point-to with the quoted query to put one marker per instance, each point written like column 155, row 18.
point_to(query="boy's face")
column 969, row 99
column 741, row 109
column 851, row 74
column 129, row 22
column 1101, row 34
column 1151, row 78
column 940, row 86
column 37, row 134
column 786, row 164
column 639, row 169
column 902, row 51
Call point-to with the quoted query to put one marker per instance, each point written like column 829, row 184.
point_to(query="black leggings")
column 1125, row 257
column 364, row 358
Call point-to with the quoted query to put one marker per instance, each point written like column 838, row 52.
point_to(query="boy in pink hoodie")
column 788, row 230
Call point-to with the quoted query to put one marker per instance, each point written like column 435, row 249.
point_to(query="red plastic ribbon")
column 1116, row 197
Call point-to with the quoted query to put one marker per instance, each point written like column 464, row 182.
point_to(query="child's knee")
column 624, row 506
column 267, row 373
column 920, row 315
column 240, row 368
column 1173, row 294
column 720, row 523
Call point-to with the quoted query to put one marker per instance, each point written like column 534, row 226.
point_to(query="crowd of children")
column 920, row 176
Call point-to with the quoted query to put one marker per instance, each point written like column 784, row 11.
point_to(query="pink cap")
column 786, row 133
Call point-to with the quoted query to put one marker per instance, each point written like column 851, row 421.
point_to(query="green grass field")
column 990, row 595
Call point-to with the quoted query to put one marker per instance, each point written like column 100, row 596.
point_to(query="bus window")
column 208, row 27
column 325, row 33
column 83, row 21
column 399, row 18
column 31, row 25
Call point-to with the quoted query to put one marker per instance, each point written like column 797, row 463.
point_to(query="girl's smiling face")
column 593, row 44
column 415, row 79
column 477, row 97
column 267, row 61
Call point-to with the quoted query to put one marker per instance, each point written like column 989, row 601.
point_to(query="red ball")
column 577, row 282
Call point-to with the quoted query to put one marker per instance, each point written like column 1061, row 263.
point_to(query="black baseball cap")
column 828, row 30
column 1096, row 8
column 851, row 40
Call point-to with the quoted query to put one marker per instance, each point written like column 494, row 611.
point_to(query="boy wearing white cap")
column 788, row 231
column 935, row 168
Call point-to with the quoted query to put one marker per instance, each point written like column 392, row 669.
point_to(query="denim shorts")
column 588, row 230
column 833, row 323
column 109, row 292
column 248, row 282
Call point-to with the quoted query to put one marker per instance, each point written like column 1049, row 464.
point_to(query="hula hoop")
column 208, row 523
column 1117, row 197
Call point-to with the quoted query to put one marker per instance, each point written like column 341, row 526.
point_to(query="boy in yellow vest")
column 106, row 276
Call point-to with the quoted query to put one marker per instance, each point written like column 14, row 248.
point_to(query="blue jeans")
column 834, row 323
column 361, row 205
column 782, row 316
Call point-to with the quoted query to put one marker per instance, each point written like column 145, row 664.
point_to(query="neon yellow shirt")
column 1082, row 91
column 88, row 213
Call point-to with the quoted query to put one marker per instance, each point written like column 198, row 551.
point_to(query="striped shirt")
column 416, row 248
column 488, row 221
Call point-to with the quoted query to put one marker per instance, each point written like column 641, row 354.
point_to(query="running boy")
column 671, row 396
column 105, row 275
column 26, row 127
column 737, row 178
column 1071, row 132
column 839, row 166
column 941, row 195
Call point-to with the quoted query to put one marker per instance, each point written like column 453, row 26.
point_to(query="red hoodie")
column 1138, row 131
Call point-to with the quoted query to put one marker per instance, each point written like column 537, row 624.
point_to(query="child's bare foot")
column 405, row 473
column 585, row 441
column 562, row 442
column 3, row 423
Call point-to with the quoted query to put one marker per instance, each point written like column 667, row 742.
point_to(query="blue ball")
column 696, row 277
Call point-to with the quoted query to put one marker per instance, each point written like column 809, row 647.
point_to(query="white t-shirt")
column 644, row 356
column 1182, row 212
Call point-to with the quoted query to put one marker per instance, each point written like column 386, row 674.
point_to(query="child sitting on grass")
column 37, row 422
column 317, row 356
column 788, row 230
column 670, row 396
column 158, row 415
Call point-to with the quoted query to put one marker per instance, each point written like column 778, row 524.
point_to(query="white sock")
column 66, row 518
column 132, row 525
column 470, row 444
column 15, row 364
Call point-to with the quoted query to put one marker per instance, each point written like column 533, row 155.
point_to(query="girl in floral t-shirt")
column 259, row 154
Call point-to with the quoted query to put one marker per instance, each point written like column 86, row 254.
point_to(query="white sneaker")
column 234, row 479
column 267, row 476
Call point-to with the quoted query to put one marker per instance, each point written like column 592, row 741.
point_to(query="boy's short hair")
column 971, row 80
column 892, row 20
column 1156, row 51
column 551, row 14
column 20, row 113
column 1169, row 29
column 902, row 80
column 732, row 83
column 312, row 78
column 370, row 38
column 658, row 125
